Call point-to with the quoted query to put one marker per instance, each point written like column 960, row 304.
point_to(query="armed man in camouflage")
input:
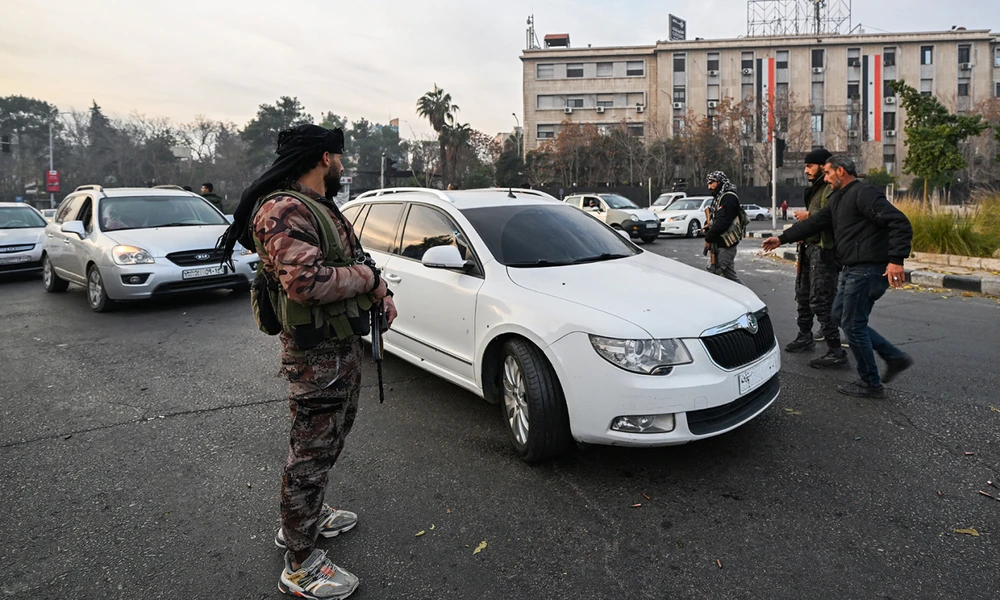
column 816, row 281
column 315, row 288
column 728, row 224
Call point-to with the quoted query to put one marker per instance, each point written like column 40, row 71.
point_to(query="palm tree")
column 436, row 107
column 456, row 137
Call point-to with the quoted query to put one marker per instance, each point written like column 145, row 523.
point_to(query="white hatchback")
column 516, row 297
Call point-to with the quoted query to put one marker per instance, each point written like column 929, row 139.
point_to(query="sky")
column 367, row 58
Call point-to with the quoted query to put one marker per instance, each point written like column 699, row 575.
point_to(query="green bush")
column 973, row 233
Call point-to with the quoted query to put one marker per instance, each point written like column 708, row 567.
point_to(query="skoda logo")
column 751, row 325
column 208, row 256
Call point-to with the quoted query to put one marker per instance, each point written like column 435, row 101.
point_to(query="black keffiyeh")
column 725, row 184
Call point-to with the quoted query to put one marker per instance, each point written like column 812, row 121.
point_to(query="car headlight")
column 130, row 255
column 678, row 218
column 241, row 251
column 647, row 357
column 633, row 217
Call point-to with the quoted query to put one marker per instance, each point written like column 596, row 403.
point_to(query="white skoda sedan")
column 516, row 297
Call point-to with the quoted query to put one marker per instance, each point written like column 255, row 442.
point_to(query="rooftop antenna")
column 531, row 40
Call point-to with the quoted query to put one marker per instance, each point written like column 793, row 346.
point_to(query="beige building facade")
column 834, row 88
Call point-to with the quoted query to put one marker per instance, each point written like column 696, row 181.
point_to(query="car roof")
column 134, row 191
column 17, row 205
column 459, row 199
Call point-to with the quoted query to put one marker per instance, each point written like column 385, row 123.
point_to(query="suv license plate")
column 757, row 375
column 12, row 260
column 206, row 272
column 651, row 225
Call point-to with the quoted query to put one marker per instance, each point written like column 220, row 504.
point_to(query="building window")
column 574, row 70
column 747, row 152
column 637, row 129
column 889, row 158
column 817, row 58
column 889, row 121
column 963, row 88
column 713, row 92
column 817, row 96
column 781, row 60
column 635, row 68
column 746, row 60
column 926, row 87
column 817, row 123
column 574, row 101
column 606, row 100
column 965, row 53
column 781, row 92
column 713, row 61
column 996, row 57
column 927, row 55
column 605, row 69
column 853, row 91
column 635, row 99
column 545, row 72
column 680, row 94
column 546, row 132
column 852, row 121
column 678, row 126
column 889, row 57
column 680, row 63
column 997, row 94
column 887, row 88
column 550, row 102
column 854, row 57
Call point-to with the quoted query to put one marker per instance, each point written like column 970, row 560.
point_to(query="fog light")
column 137, row 279
column 253, row 266
column 644, row 423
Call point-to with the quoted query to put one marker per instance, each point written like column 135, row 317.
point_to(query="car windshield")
column 616, row 201
column 147, row 212
column 685, row 205
column 542, row 235
column 663, row 200
column 12, row 217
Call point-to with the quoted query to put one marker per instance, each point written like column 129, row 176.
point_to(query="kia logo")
column 202, row 256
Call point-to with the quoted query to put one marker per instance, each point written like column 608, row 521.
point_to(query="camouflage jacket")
column 291, row 237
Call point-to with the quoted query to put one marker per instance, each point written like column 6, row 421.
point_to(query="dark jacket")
column 729, row 210
column 866, row 227
column 215, row 199
column 817, row 197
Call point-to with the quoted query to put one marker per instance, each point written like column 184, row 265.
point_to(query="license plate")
column 205, row 272
column 757, row 375
column 12, row 260
column 651, row 225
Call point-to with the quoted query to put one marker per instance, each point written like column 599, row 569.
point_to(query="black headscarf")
column 293, row 146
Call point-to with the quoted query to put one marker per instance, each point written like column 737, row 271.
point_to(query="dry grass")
column 972, row 233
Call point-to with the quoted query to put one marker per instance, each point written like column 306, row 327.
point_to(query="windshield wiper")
column 540, row 263
column 605, row 256
column 177, row 225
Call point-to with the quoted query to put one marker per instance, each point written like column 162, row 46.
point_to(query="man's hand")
column 895, row 274
column 801, row 215
column 380, row 292
column 770, row 244
column 389, row 306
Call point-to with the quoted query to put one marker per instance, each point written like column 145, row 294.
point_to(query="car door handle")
column 393, row 278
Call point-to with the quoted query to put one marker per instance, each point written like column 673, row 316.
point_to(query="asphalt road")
column 141, row 450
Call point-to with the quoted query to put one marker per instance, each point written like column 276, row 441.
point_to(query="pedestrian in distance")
column 784, row 210
column 315, row 287
column 728, row 224
column 208, row 193
column 872, row 239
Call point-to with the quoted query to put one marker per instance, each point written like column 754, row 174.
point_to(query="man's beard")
column 332, row 182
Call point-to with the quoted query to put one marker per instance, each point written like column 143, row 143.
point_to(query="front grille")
column 719, row 418
column 189, row 258
column 736, row 348
column 202, row 285
column 16, row 248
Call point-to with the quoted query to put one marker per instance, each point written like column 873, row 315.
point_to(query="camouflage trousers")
column 325, row 385
column 815, row 289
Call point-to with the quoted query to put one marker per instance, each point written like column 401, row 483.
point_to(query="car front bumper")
column 674, row 227
column 704, row 399
column 639, row 229
column 163, row 278
column 26, row 261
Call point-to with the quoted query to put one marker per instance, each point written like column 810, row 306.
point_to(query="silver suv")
column 136, row 243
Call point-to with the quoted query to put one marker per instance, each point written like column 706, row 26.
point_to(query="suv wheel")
column 53, row 283
column 533, row 405
column 759, row 217
column 693, row 228
column 97, row 295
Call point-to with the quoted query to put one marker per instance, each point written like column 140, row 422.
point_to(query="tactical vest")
column 737, row 229
column 309, row 326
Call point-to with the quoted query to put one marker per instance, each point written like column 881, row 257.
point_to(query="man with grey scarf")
column 728, row 224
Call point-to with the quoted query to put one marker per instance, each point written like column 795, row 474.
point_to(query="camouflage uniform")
column 816, row 281
column 324, row 381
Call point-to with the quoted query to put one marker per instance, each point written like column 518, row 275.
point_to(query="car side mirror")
column 443, row 257
column 74, row 227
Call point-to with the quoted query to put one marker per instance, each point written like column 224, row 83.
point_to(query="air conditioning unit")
column 854, row 63
column 713, row 73
column 568, row 110
column 817, row 70
column 890, row 134
column 748, row 71
column 678, row 105
column 966, row 66
column 600, row 110
column 713, row 103
column 639, row 108
column 890, row 99
column 852, row 134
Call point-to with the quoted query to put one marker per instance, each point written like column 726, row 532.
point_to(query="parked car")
column 666, row 199
column 21, row 232
column 48, row 213
column 577, row 333
column 757, row 213
column 685, row 216
column 620, row 213
column 137, row 243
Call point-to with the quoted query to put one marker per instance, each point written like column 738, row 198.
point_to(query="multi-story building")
column 836, row 85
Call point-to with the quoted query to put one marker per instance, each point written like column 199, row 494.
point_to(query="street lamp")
column 516, row 137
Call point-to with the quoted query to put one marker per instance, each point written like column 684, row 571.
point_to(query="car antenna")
column 510, row 192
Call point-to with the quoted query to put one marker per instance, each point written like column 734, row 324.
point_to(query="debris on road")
column 420, row 533
column 637, row 505
column 970, row 453
column 482, row 546
column 970, row 531
column 718, row 563
column 995, row 409
column 989, row 496
column 432, row 526
column 991, row 484
column 646, row 497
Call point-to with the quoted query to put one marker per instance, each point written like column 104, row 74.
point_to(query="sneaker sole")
column 284, row 589
column 326, row 534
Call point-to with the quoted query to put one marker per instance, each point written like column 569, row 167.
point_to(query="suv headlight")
column 241, row 251
column 678, row 218
column 633, row 217
column 647, row 357
column 130, row 255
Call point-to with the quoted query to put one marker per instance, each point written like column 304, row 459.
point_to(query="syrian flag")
column 871, row 99
column 765, row 98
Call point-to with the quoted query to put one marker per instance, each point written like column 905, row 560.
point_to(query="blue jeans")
column 860, row 286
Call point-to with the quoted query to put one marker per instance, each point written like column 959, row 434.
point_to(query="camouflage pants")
column 325, row 385
column 815, row 289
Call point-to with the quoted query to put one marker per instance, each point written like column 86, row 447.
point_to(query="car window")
column 426, row 228
column 379, row 232
column 86, row 214
column 147, row 212
column 352, row 213
column 685, row 205
column 12, row 217
column 546, row 235
column 618, row 202
column 576, row 201
column 69, row 206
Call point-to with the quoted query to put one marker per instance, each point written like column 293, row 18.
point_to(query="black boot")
column 802, row 343
column 860, row 389
column 895, row 367
column 834, row 358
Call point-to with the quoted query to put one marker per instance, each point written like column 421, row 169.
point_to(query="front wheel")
column 534, row 408
column 693, row 228
column 53, row 283
column 759, row 218
column 97, row 295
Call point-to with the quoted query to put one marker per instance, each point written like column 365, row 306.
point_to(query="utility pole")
column 52, row 197
column 774, row 180
column 518, row 138
column 381, row 178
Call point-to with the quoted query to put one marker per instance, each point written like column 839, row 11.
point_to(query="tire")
column 649, row 239
column 532, row 403
column 97, row 294
column 693, row 228
column 759, row 218
column 53, row 283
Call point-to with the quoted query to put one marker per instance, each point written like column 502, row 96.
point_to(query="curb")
column 965, row 283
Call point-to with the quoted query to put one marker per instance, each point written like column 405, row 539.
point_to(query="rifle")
column 379, row 322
